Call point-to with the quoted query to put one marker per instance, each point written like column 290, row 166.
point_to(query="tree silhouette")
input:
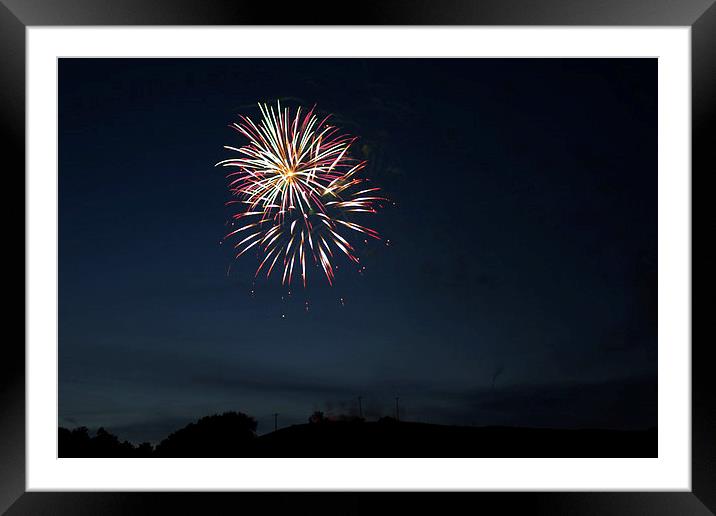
column 74, row 443
column 144, row 450
column 227, row 435
column 317, row 417
column 78, row 443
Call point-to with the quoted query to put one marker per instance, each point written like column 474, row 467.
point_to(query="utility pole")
column 397, row 409
column 275, row 421
column 360, row 406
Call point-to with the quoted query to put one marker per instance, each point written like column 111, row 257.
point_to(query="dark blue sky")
column 519, row 286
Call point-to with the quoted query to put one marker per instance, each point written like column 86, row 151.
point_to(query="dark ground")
column 427, row 440
column 234, row 435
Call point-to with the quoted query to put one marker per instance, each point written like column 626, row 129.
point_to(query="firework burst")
column 297, row 189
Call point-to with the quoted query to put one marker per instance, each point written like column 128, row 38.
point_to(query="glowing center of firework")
column 297, row 185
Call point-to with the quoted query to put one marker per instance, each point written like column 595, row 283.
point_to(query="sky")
column 515, row 283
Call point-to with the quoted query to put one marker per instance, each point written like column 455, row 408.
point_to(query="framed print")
column 442, row 249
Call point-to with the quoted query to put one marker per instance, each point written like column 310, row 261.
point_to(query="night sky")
column 518, row 286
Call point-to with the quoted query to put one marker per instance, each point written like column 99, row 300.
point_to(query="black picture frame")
column 16, row 15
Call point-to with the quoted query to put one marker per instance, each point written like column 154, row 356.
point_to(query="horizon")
column 345, row 419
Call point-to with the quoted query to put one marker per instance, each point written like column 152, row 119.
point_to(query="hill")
column 406, row 439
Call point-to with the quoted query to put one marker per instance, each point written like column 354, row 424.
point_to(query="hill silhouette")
column 408, row 439
column 233, row 434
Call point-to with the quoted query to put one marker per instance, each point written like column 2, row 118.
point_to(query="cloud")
column 621, row 403
column 272, row 382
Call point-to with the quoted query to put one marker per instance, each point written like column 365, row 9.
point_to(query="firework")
column 298, row 191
